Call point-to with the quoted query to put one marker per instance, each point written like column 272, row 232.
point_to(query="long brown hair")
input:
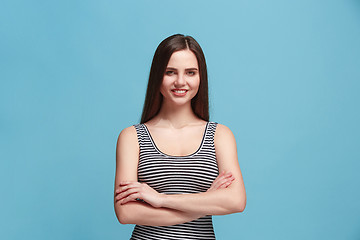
column 153, row 99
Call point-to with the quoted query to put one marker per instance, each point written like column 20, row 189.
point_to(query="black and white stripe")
column 177, row 175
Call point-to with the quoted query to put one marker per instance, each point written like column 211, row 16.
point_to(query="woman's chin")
column 179, row 102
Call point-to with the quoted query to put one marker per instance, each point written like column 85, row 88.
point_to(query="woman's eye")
column 169, row 72
column 191, row 73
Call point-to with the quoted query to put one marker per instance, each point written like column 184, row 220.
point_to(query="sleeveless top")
column 168, row 174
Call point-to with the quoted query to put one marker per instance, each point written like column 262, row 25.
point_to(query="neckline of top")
column 168, row 155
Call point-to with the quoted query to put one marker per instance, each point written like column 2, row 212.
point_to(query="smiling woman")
column 176, row 168
column 181, row 80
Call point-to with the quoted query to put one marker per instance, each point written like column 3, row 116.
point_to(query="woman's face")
column 181, row 79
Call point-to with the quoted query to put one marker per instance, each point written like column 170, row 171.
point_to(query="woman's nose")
column 180, row 81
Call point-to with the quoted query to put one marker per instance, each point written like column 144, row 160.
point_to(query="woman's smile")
column 179, row 92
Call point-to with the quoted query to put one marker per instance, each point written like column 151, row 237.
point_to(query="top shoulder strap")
column 211, row 132
column 140, row 131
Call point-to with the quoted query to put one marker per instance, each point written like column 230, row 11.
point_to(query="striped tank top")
column 168, row 174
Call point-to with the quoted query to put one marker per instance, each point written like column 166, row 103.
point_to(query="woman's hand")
column 222, row 181
column 131, row 191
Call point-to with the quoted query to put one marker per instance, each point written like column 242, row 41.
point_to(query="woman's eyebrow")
column 187, row 69
column 191, row 69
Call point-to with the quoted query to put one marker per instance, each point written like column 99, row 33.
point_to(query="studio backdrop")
column 284, row 76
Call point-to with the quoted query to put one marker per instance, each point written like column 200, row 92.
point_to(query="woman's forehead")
column 183, row 59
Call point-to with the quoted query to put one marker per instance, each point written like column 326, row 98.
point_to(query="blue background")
column 284, row 76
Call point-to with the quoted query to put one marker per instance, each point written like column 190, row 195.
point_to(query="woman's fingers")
column 221, row 181
column 131, row 191
column 130, row 198
column 226, row 183
column 123, row 186
column 126, row 193
column 125, row 189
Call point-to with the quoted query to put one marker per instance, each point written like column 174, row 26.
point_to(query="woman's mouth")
column 179, row 92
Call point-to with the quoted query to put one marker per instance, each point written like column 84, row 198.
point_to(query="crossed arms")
column 225, row 196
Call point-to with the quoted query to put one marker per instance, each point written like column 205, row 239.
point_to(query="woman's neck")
column 176, row 116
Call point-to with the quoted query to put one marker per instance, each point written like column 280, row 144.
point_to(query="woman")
column 167, row 167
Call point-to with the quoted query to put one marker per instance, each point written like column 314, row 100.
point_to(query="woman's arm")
column 222, row 201
column 127, row 157
column 144, row 214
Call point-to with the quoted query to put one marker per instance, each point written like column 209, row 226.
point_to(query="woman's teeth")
column 180, row 91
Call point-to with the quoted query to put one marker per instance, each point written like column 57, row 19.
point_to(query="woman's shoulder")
column 129, row 130
column 223, row 132
column 220, row 127
column 128, row 133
